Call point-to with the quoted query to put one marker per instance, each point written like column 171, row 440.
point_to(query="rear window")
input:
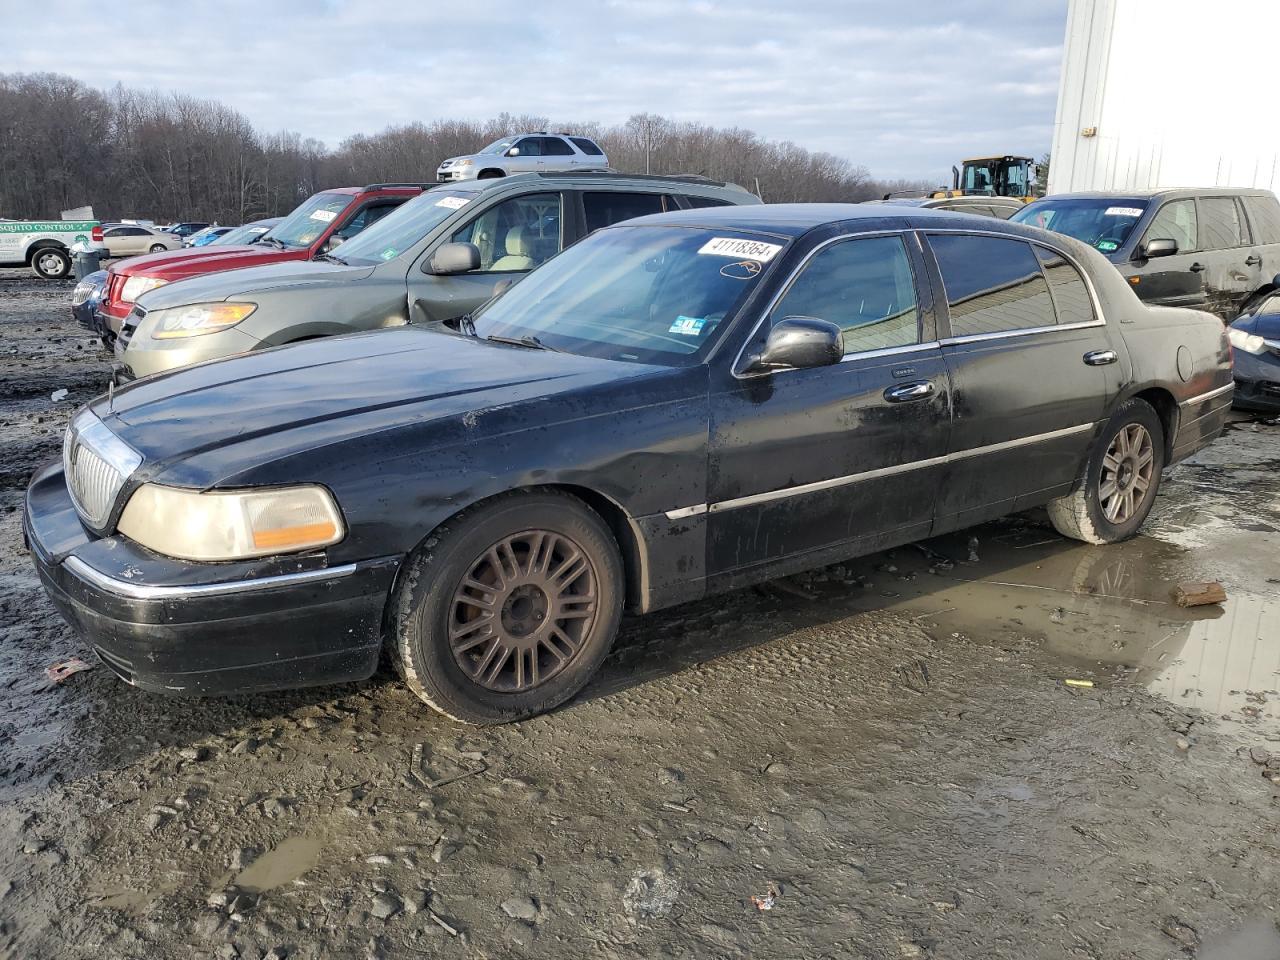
column 994, row 285
column 1070, row 295
column 587, row 146
column 1220, row 227
column 699, row 202
column 1264, row 217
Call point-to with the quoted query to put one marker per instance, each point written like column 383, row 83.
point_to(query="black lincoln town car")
column 673, row 407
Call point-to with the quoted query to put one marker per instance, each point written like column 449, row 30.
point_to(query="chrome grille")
column 97, row 463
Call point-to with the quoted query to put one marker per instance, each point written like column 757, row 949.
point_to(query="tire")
column 518, row 659
column 490, row 175
column 1128, row 454
column 51, row 263
column 157, row 248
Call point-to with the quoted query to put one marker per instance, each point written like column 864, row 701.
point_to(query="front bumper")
column 450, row 174
column 172, row 626
column 143, row 356
column 1257, row 380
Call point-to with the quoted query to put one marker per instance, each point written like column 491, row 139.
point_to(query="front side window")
column 530, row 147
column 993, row 284
column 1175, row 221
column 1220, row 224
column 865, row 287
column 647, row 294
column 312, row 218
column 515, row 235
column 605, row 208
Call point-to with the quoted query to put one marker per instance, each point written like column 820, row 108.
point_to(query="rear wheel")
column 158, row 248
column 490, row 175
column 509, row 608
column 1121, row 479
column 51, row 263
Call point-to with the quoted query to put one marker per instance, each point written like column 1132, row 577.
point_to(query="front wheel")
column 158, row 248
column 1120, row 482
column 51, row 263
column 508, row 608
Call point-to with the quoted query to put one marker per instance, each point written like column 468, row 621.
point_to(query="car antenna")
column 111, row 394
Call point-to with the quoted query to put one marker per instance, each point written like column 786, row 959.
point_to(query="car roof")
column 1179, row 194
column 795, row 219
column 686, row 183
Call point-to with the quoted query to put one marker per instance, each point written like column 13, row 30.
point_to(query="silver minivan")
column 526, row 153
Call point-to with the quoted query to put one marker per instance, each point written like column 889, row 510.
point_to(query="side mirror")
column 1159, row 248
column 513, row 152
column 451, row 258
column 333, row 243
column 797, row 343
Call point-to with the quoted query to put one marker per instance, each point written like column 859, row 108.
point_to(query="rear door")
column 1176, row 281
column 838, row 459
column 557, row 154
column 1030, row 364
column 1231, row 269
column 1263, row 213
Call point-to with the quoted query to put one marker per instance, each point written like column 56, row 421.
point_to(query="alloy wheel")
column 1127, row 473
column 523, row 611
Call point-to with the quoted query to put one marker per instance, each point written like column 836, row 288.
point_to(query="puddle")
column 281, row 864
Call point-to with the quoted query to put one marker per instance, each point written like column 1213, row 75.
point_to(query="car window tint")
column 1003, row 211
column 994, row 285
column 697, row 203
column 530, row 147
column 864, row 287
column 555, row 147
column 1175, row 221
column 1070, row 295
column 517, row 234
column 116, row 232
column 609, row 207
column 366, row 217
column 587, row 146
column 1219, row 224
column 1264, row 217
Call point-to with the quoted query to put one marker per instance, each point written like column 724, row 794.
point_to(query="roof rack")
column 400, row 186
column 609, row 171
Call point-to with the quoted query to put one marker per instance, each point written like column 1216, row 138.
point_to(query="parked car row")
column 599, row 393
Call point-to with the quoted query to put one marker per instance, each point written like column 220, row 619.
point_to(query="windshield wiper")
column 333, row 259
column 274, row 242
column 527, row 341
column 467, row 325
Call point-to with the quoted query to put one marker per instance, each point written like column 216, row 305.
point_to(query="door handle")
column 1252, row 260
column 1100, row 358
column 1196, row 267
column 909, row 391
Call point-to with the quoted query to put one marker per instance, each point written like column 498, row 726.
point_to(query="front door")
column 815, row 464
column 1031, row 367
column 1177, row 280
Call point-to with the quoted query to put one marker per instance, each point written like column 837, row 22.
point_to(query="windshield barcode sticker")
column 324, row 216
column 1122, row 212
column 734, row 247
column 453, row 203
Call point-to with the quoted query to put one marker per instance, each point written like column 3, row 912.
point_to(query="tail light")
column 96, row 233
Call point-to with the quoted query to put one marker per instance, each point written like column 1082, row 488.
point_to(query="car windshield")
column 306, row 223
column 653, row 294
column 241, row 235
column 1104, row 223
column 403, row 227
column 499, row 146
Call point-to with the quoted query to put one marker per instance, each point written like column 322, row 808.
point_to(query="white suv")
column 526, row 153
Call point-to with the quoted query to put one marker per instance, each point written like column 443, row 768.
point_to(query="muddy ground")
column 886, row 753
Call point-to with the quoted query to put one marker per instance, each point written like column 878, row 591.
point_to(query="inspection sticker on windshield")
column 1106, row 246
column 688, row 326
column 453, row 203
column 734, row 247
column 1122, row 212
column 324, row 216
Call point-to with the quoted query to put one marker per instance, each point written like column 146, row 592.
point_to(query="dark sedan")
column 1255, row 339
column 671, row 408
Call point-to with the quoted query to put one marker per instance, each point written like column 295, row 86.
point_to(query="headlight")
column 198, row 319
column 464, row 163
column 135, row 287
column 1248, row 342
column 232, row 525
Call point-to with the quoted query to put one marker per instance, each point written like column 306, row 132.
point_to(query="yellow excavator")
column 994, row 177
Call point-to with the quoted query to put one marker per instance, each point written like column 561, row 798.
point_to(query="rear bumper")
column 203, row 628
column 1200, row 421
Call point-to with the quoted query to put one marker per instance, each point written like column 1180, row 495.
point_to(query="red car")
column 315, row 227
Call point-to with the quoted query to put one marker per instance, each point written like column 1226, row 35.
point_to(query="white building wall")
column 1180, row 93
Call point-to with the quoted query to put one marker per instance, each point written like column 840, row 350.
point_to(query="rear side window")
column 1175, row 221
column 696, row 203
column 587, row 146
column 606, row 208
column 865, row 287
column 555, row 147
column 1067, row 287
column 993, row 284
column 1220, row 224
column 1264, row 216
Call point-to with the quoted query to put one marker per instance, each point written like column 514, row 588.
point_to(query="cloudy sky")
column 905, row 88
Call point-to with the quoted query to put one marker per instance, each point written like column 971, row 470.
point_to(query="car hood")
column 193, row 261
column 327, row 390
column 251, row 280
